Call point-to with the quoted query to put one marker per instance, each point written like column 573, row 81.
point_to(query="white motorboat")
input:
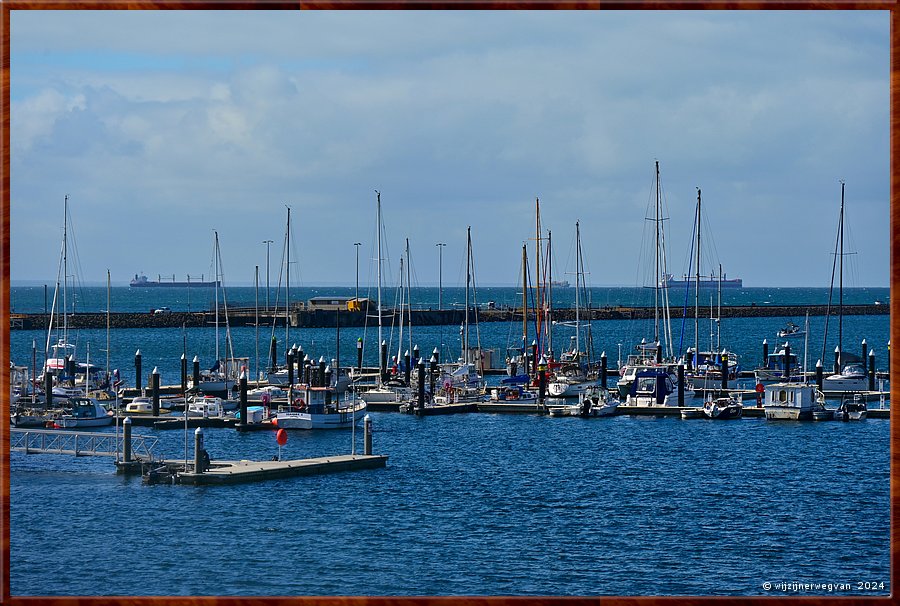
column 723, row 408
column 652, row 386
column 791, row 330
column 205, row 406
column 320, row 408
column 851, row 378
column 793, row 401
column 851, row 410
column 86, row 412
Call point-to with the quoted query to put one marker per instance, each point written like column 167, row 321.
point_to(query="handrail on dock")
column 78, row 443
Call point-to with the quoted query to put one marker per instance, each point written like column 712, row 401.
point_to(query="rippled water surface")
column 475, row 504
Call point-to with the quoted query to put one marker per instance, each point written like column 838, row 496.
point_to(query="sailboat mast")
column 539, row 303
column 107, row 324
column 378, row 267
column 65, row 307
column 216, row 272
column 549, row 322
column 719, row 313
column 524, row 298
column 578, row 265
column 468, row 281
column 408, row 295
column 841, row 283
column 697, row 285
column 287, row 289
column 400, row 338
column 656, row 289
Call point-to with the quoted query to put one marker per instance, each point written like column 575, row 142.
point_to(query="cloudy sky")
column 163, row 126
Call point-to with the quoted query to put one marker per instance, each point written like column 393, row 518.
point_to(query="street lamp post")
column 267, row 242
column 440, row 246
column 357, row 245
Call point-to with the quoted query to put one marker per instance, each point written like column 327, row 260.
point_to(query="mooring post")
column 765, row 361
column 837, row 359
column 658, row 352
column 681, row 384
column 603, row 370
column 407, row 370
column 359, row 350
column 871, row 370
column 415, row 355
column 198, row 451
column 421, row 403
column 126, row 440
column 367, row 435
column 433, row 373
column 137, row 370
column 787, row 361
column 542, row 380
column 154, row 386
column 321, row 379
column 183, row 374
column 289, row 354
column 243, row 383
column 48, row 390
column 383, row 367
column 196, row 372
column 865, row 359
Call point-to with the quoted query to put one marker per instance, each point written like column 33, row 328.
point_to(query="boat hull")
column 344, row 418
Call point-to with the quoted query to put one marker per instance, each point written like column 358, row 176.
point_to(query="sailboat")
column 461, row 381
column 383, row 393
column 704, row 368
column 851, row 374
column 574, row 377
column 648, row 357
column 221, row 377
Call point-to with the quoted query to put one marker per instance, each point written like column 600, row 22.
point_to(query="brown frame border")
column 5, row 598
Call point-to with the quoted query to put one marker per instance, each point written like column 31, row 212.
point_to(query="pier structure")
column 302, row 317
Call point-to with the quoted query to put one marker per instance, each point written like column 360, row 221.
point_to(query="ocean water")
column 476, row 504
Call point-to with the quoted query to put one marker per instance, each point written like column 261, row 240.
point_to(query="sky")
column 163, row 126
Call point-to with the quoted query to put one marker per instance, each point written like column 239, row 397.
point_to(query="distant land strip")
column 304, row 318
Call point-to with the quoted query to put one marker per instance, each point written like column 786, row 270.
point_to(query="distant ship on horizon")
column 141, row 281
column 710, row 281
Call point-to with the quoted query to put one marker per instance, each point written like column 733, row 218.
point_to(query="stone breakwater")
column 420, row 317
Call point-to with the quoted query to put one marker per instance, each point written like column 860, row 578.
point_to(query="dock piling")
column 603, row 370
column 126, row 440
column 48, row 390
column 183, row 374
column 154, row 386
column 681, row 384
column 865, row 359
column 198, row 451
column 724, row 370
column 819, row 374
column 765, row 359
column 196, row 372
column 243, row 383
column 871, row 369
column 787, row 361
column 421, row 402
column 367, row 435
column 137, row 370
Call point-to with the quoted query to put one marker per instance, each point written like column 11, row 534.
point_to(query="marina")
column 441, row 303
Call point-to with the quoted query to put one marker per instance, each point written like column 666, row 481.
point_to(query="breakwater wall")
column 320, row 318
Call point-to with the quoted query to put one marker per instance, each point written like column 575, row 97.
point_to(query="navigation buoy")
column 281, row 437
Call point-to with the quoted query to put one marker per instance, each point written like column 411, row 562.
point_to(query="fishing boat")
column 723, row 408
column 85, row 412
column 851, row 409
column 319, row 408
column 783, row 366
column 791, row 330
column 652, row 387
column 792, row 401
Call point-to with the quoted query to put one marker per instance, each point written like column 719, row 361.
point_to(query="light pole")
column 267, row 242
column 357, row 245
column 440, row 246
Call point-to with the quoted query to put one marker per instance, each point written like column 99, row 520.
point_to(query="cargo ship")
column 710, row 281
column 141, row 281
